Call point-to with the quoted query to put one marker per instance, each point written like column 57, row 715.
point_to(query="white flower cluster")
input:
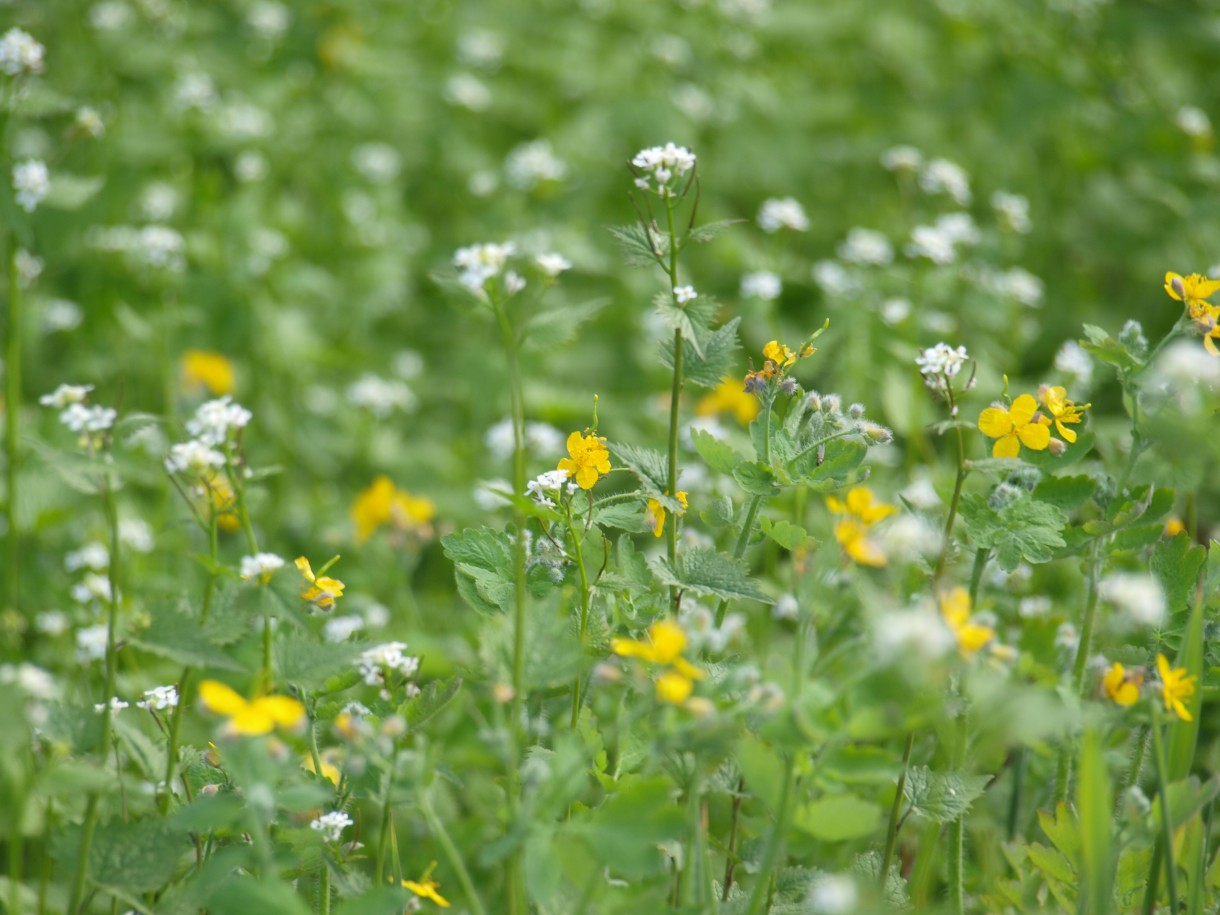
column 1193, row 121
column 388, row 657
column 540, row 438
column 93, row 556
column 552, row 263
column 91, row 643
column 531, row 164
column 661, row 164
column 341, row 628
column 377, row 162
column 159, row 698
column 66, row 395
column 540, row 488
column 1013, row 210
column 901, row 159
column 940, row 176
column 260, row 566
column 90, row 421
column 939, row 241
column 1016, row 283
column 216, row 420
column 1138, row 595
column 331, row 825
column 193, row 457
column 1072, row 359
column 32, row 182
column 381, row 396
column 782, row 213
column 761, row 284
column 20, row 53
column 866, row 246
column 480, row 263
column 116, row 705
column 941, row 360
column 834, row 279
column 151, row 247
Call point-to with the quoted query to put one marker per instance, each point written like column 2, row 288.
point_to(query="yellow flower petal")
column 1023, row 410
column 668, row 640
column 306, row 569
column 219, row 698
column 283, row 711
column 674, row 688
column 1034, row 436
column 1007, row 447
column 995, row 422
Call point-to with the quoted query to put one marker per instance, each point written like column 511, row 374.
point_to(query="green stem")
column 1132, row 777
column 976, row 575
column 953, row 505
column 324, row 889
column 12, row 415
column 16, row 851
column 578, row 551
column 1018, row 786
column 762, row 883
column 747, row 526
column 451, row 854
column 730, row 857
column 675, row 395
column 1165, row 840
column 891, row 832
column 1063, row 776
column 957, row 833
column 385, row 819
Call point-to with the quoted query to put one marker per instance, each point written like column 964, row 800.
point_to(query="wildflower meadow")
column 696, row 456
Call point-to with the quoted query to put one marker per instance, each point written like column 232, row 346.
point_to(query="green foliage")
column 942, row 796
column 1023, row 529
column 709, row 573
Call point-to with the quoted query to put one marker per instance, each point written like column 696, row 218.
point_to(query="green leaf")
column 559, row 325
column 785, row 533
column 677, row 318
column 1176, row 563
column 838, row 459
column 1065, row 492
column 755, row 479
column 637, row 245
column 430, row 701
column 624, row 516
column 1106, row 348
column 483, row 567
column 71, row 192
column 262, row 895
column 1052, row 463
column 302, row 660
column 140, row 856
column 651, row 467
column 708, row 231
column 719, row 455
column 942, row 796
column 175, row 635
column 709, row 357
column 1025, row 529
column 1093, row 800
column 838, row 818
column 1184, row 735
column 708, row 573
column 625, row 830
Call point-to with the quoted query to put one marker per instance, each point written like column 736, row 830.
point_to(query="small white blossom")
column 488, row 496
column 20, row 53
column 193, row 457
column 88, row 419
column 269, row 19
column 159, row 698
column 1013, row 209
column 552, row 264
column 902, row 159
column 32, row 182
column 250, row 166
column 866, row 246
column 1021, row 285
column 941, row 359
column 833, row 894
column 940, row 176
column 89, row 122
column 786, row 608
column 513, row 282
column 467, row 91
column 341, row 628
column 761, row 284
column 32, row 680
column 1138, row 595
column 91, row 643
column 375, row 662
column 65, row 395
column 116, row 705
column 534, row 163
column 662, row 164
column 158, row 201
column 896, row 310
column 931, row 243
column 260, row 566
column 918, row 632
column 381, row 396
column 834, row 279
column 684, row 294
column 29, row 268
column 550, row 482
column 60, row 315
column 52, row 622
column 1072, row 359
column 1193, row 121
column 782, row 213
column 379, row 163
column 215, row 420
column 910, row 537
column 136, row 534
column 110, row 16
column 959, row 228
column 479, row 263
column 331, row 825
column 93, row 555
column 93, row 587
column 194, row 90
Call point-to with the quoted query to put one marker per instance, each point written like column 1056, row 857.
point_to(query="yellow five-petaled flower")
column 427, row 888
column 1062, row 410
column 657, row 512
column 323, row 590
column 1121, row 685
column 861, row 511
column 1014, row 426
column 955, row 611
column 589, row 459
column 1176, row 685
column 665, row 644
column 1194, row 290
column 251, row 717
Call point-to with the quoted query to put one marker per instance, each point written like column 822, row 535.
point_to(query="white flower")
column 269, row 19
column 110, row 16
column 20, row 53
column 93, row 587
column 910, row 537
column 549, row 482
column 30, row 679
column 60, row 315
column 260, row 566
column 1073, row 359
column 833, row 894
column 215, row 420
column 834, row 279
column 159, row 698
column 1193, row 121
column 161, row 248
column 513, row 282
column 782, row 213
column 959, row 228
column 1018, row 283
column 865, row 246
column 684, row 294
column 66, row 394
column 376, row 615
column 250, row 166
column 194, row 457
column 377, row 162
column 467, row 91
column 29, row 268
column 375, row 662
column 331, row 825
column 381, row 396
column 895, row 311
column 341, row 628
column 194, row 90
column 89, row 122
column 552, row 264
column 901, row 159
column 940, row 176
column 116, row 705
column 918, row 632
column 93, row 555
column 1013, row 209
column 932, row 243
column 487, row 494
column 91, row 643
column 1034, row 607
column 480, row 263
column 941, row 359
column 534, row 163
column 31, row 181
column 52, row 622
column 1139, row 595
column 662, row 164
column 136, row 535
column 80, row 418
column 761, row 284
column 786, row 607
column 158, row 201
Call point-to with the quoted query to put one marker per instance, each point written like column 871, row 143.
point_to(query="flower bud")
column 1056, row 447
column 1178, row 286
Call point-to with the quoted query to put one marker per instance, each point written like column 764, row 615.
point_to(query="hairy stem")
column 891, row 832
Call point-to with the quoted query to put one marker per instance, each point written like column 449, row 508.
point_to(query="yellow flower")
column 1208, row 324
column 1176, row 685
column 779, row 354
column 955, row 611
column 323, row 590
column 207, row 369
column 1174, row 526
column 384, row 503
column 1192, row 290
column 426, row 888
column 1121, row 685
column 1062, row 410
column 665, row 644
column 589, row 459
column 862, row 513
column 730, row 396
column 657, row 512
column 253, row 717
column 224, row 500
column 1014, row 426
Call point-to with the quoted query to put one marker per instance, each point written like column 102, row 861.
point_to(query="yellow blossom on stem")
column 1062, row 410
column 384, row 503
column 589, row 459
column 250, row 717
column 955, row 611
column 657, row 512
column 1176, row 685
column 329, row 760
column 666, row 642
column 1121, row 685
column 1193, row 290
column 323, row 590
column 206, row 369
column 862, row 511
column 730, row 396
column 427, row 888
column 779, row 354
column 1012, row 427
column 1208, row 324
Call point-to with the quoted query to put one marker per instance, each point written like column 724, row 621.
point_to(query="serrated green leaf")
column 638, row 246
column 626, row 829
column 1065, row 492
column 838, row 459
column 719, row 455
column 942, row 796
column 139, row 856
column 709, row 358
column 430, row 701
column 624, row 516
column 178, row 636
column 708, row 231
column 1176, row 563
column 709, row 573
column 300, row 659
column 651, row 468
column 483, row 567
column 1025, row 529
column 556, row 326
column 755, row 479
column 1108, row 349
column 785, row 533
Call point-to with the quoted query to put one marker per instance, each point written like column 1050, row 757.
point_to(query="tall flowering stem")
column 12, row 415
column 671, row 534
column 577, row 535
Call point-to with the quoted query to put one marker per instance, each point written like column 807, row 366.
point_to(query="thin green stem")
column 730, row 857
column 1165, row 840
column 452, row 854
column 383, row 837
column 1132, row 778
column 578, row 552
column 1018, row 787
column 762, row 884
column 675, row 395
column 12, row 417
column 324, row 889
column 891, row 832
column 756, row 502
column 976, row 574
column 16, row 850
column 953, row 505
column 1063, row 776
